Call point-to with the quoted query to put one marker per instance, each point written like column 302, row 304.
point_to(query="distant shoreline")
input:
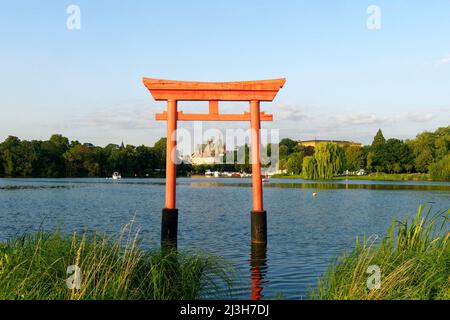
column 374, row 177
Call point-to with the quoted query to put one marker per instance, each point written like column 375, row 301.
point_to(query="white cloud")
column 444, row 60
column 123, row 118
column 290, row 113
column 357, row 118
column 369, row 118
column 419, row 116
column 133, row 122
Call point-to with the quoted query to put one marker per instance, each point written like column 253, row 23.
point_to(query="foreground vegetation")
column 36, row 267
column 413, row 259
column 428, row 153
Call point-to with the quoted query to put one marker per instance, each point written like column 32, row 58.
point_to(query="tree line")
column 428, row 153
column 57, row 157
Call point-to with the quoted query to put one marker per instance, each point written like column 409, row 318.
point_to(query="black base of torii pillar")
column 258, row 223
column 169, row 228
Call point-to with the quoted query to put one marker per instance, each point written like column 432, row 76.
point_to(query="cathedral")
column 209, row 153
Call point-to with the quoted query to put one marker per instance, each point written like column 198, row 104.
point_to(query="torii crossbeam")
column 251, row 91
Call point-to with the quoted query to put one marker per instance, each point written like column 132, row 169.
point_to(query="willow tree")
column 329, row 160
column 441, row 170
column 309, row 168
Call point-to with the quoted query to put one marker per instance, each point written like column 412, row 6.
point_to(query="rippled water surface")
column 305, row 233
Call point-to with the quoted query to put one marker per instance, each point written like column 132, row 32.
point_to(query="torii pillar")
column 251, row 91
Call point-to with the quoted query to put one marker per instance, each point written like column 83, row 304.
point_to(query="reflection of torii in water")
column 251, row 91
column 258, row 270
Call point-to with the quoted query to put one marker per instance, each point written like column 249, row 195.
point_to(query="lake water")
column 305, row 233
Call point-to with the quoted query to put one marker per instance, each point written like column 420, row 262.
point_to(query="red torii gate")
column 251, row 91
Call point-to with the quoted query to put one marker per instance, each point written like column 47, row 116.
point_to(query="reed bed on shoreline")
column 52, row 266
column 412, row 261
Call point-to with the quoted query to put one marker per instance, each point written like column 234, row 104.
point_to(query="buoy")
column 314, row 194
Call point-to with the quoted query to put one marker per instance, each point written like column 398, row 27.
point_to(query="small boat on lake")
column 116, row 176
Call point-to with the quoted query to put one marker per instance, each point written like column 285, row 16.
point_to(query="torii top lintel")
column 260, row 90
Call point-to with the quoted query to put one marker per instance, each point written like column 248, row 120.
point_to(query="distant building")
column 340, row 143
column 209, row 153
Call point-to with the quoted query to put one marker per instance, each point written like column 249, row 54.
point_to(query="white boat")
column 208, row 173
column 116, row 176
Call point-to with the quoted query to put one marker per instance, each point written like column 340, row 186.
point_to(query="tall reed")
column 35, row 267
column 413, row 259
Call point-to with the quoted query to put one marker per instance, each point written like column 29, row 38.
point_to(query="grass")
column 414, row 260
column 413, row 257
column 389, row 177
column 35, row 267
column 374, row 176
column 287, row 176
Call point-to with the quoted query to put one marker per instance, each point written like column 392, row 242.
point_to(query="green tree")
column 2, row 164
column 283, row 152
column 51, row 162
column 109, row 167
column 396, row 156
column 18, row 157
column 93, row 161
column 379, row 139
column 123, row 160
column 160, row 151
column 329, row 160
column 442, row 145
column 294, row 163
column 378, row 161
column 129, row 161
column 423, row 148
column 441, row 169
column 146, row 160
column 76, row 159
column 84, row 160
column 242, row 157
column 58, row 157
column 286, row 147
column 369, row 161
column 423, row 160
column 289, row 144
column 309, row 168
column 354, row 158
column 307, row 150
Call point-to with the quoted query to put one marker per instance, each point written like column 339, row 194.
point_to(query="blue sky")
column 344, row 81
